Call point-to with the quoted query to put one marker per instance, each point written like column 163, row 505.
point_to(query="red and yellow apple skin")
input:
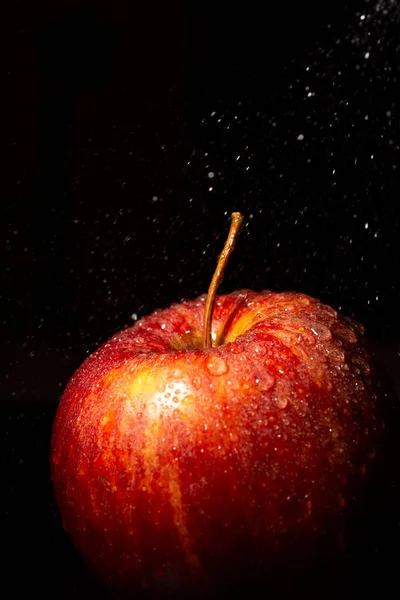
column 177, row 467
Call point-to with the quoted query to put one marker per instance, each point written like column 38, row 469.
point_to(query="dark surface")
column 116, row 117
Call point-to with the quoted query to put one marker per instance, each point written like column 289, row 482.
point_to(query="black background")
column 130, row 132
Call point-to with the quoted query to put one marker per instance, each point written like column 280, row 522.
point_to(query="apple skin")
column 192, row 470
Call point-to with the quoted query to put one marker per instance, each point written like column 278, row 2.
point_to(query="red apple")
column 183, row 467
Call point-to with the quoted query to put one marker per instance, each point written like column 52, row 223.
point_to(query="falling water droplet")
column 217, row 366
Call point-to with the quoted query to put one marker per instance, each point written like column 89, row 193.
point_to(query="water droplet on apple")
column 259, row 350
column 321, row 331
column 217, row 366
column 361, row 363
column 266, row 382
column 303, row 300
column 336, row 354
column 306, row 336
column 281, row 401
column 288, row 307
column 346, row 334
column 196, row 383
column 188, row 400
column 325, row 308
column 175, row 399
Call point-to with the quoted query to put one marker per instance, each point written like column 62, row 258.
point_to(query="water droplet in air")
column 217, row 366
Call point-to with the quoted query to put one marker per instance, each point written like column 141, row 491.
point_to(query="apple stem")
column 236, row 224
